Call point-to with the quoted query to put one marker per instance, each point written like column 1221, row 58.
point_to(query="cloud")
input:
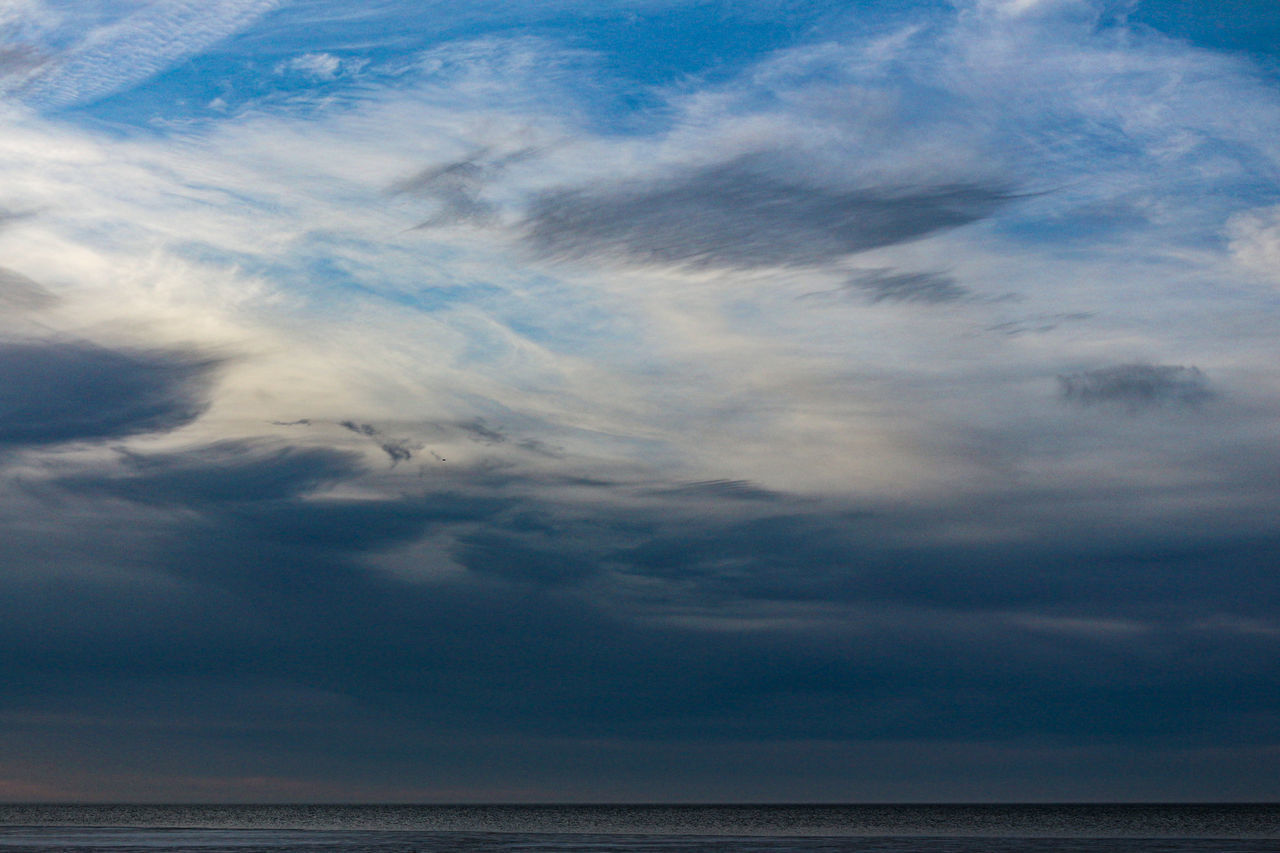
column 125, row 53
column 769, row 523
column 739, row 490
column 8, row 217
column 522, row 558
column 226, row 473
column 1039, row 324
column 58, row 392
column 1033, row 8
column 885, row 285
column 19, row 293
column 635, row 609
column 20, row 61
column 639, row 628
column 480, row 431
column 321, row 66
column 1255, row 241
column 455, row 188
column 749, row 212
column 1137, row 386
column 397, row 449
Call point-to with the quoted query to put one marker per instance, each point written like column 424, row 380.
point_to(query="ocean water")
column 642, row 829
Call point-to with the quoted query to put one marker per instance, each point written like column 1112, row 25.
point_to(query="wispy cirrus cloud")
column 124, row 53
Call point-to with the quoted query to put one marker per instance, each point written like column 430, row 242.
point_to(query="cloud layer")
column 449, row 401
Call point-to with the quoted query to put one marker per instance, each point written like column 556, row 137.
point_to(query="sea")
column 1220, row 828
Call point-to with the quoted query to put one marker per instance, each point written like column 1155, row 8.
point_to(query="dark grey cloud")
column 227, row 589
column 359, row 429
column 520, row 558
column 455, row 188
column 600, row 627
column 743, row 490
column 886, row 285
column 403, row 449
column 20, row 293
column 20, row 60
column 878, row 559
column 749, row 212
column 67, row 391
column 1039, row 324
column 541, row 448
column 1137, row 386
column 480, row 431
column 397, row 450
column 226, row 473
column 264, row 491
column 8, row 217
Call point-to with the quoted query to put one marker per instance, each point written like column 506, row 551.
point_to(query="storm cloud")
column 56, row 392
column 746, row 213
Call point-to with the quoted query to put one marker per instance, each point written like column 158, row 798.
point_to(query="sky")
column 647, row 400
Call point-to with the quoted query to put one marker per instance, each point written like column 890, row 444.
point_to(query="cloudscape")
column 659, row 400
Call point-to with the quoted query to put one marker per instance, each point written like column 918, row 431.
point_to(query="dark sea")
column 642, row 829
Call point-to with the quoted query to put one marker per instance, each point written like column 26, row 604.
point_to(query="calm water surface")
column 642, row 829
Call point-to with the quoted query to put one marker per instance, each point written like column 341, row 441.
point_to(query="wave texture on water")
column 640, row 829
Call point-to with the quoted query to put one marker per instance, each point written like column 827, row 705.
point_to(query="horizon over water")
column 643, row 828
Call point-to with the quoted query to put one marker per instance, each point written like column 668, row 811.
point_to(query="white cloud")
column 26, row 19
column 1255, row 241
column 1024, row 8
column 322, row 66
